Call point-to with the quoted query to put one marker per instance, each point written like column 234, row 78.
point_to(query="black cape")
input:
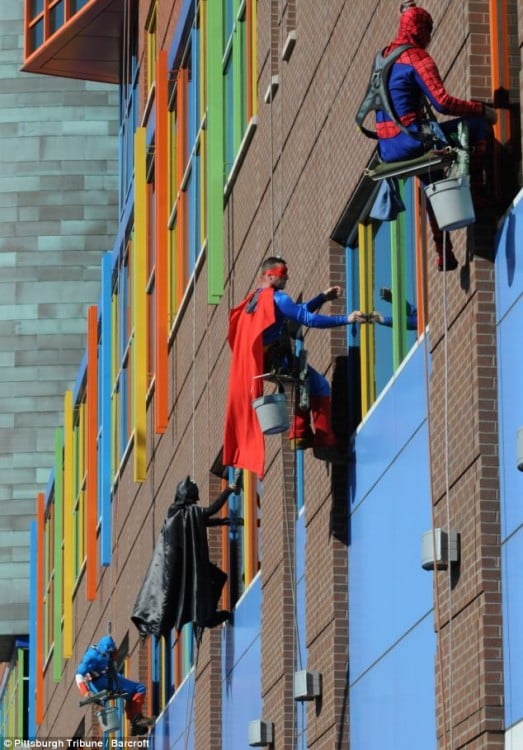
column 181, row 584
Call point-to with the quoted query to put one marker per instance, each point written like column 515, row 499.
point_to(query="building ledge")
column 85, row 46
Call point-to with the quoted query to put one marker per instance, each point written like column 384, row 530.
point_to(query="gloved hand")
column 490, row 114
column 237, row 481
column 83, row 688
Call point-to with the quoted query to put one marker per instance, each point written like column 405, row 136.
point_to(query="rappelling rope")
column 271, row 128
column 447, row 481
column 289, row 549
column 437, row 613
column 195, row 641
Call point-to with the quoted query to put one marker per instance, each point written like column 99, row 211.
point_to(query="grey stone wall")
column 58, row 213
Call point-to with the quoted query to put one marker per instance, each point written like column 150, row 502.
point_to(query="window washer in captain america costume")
column 97, row 671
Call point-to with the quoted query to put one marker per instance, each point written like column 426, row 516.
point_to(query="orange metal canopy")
column 87, row 46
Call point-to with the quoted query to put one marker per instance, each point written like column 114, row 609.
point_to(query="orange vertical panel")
column 92, row 433
column 499, row 67
column 40, row 545
column 181, row 135
column 27, row 20
column 161, row 391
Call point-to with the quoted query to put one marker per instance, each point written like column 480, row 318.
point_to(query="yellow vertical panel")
column 68, row 501
column 139, row 309
column 250, row 528
column 81, row 447
column 115, row 323
column 366, row 274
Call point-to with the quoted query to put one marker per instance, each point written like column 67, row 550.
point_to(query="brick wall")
column 290, row 207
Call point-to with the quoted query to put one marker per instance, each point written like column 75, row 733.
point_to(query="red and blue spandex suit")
column 414, row 76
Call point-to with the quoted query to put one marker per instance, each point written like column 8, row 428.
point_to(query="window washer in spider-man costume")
column 97, row 671
column 255, row 327
column 415, row 78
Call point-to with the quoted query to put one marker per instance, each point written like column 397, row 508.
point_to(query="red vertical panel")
column 40, row 545
column 92, row 432
column 161, row 391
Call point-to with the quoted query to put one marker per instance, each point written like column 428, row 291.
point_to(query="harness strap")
column 377, row 96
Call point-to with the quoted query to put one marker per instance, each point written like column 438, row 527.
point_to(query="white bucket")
column 451, row 202
column 272, row 413
column 109, row 719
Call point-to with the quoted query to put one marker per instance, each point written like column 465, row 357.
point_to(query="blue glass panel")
column 383, row 334
column 509, row 261
column 388, row 589
column 397, row 688
column 175, row 726
column 510, row 416
column 400, row 412
column 228, row 20
column 77, row 4
column 37, row 7
column 512, row 565
column 36, row 35
column 56, row 17
column 241, row 669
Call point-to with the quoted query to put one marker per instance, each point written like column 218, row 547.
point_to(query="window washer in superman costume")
column 255, row 328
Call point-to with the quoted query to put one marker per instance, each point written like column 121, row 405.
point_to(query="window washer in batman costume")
column 182, row 585
column 255, row 328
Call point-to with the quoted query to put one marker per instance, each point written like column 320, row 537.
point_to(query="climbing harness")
column 377, row 97
column 438, row 150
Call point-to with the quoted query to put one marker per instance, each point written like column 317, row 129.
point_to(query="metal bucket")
column 451, row 202
column 272, row 413
column 109, row 719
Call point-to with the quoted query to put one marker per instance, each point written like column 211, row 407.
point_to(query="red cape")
column 243, row 443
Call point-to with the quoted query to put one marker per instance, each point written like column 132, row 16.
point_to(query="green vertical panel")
column 215, row 151
column 58, row 567
column 399, row 313
column 20, row 692
column 237, row 63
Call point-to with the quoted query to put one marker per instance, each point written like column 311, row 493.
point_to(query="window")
column 150, row 27
column 185, row 133
column 237, row 68
column 241, row 543
column 128, row 101
column 56, row 16
column 122, row 329
column 383, row 276
column 79, row 479
column 49, row 578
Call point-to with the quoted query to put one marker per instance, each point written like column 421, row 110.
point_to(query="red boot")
column 321, row 415
column 445, row 260
column 300, row 434
column 140, row 724
column 325, row 446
